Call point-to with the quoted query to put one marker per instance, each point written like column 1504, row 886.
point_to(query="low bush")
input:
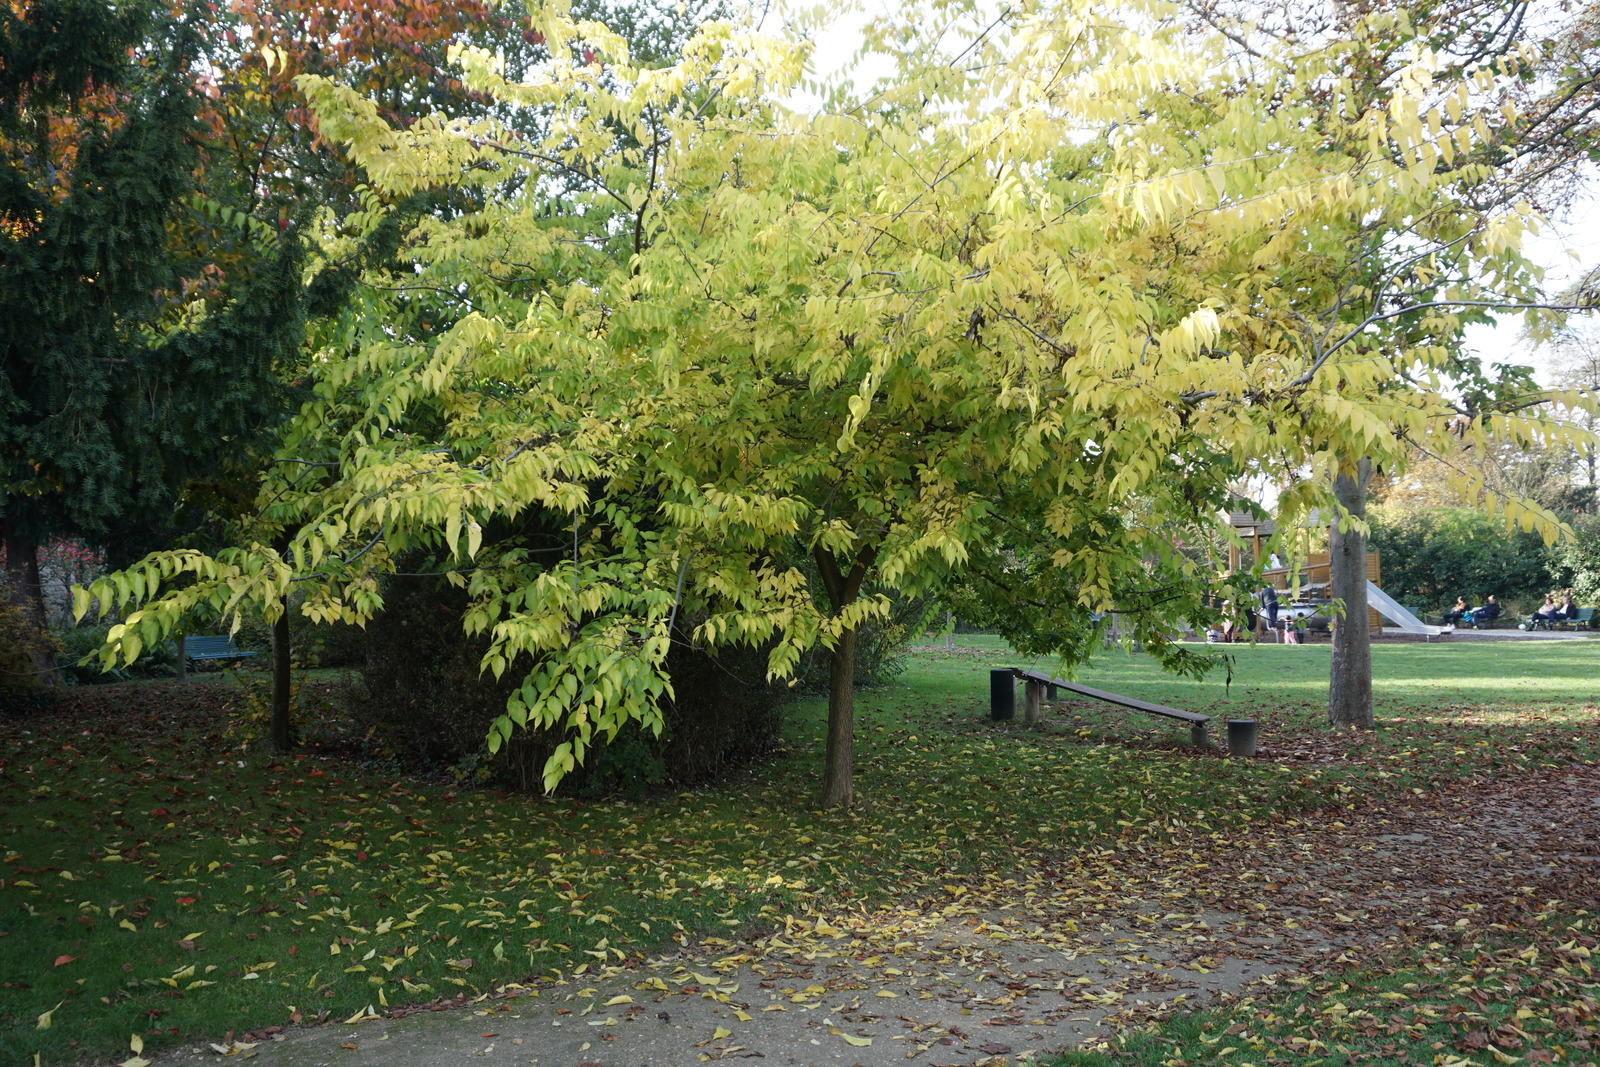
column 880, row 648
column 424, row 700
column 77, row 649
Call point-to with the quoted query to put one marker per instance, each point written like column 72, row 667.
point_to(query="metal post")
column 1241, row 737
column 1002, row 696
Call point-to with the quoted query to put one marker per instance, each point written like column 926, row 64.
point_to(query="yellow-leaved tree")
column 1058, row 282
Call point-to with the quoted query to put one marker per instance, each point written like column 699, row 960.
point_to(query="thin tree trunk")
column 183, row 660
column 838, row 769
column 27, row 593
column 281, row 730
column 838, row 772
column 1350, row 672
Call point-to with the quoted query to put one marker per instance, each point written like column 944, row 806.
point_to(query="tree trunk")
column 838, row 782
column 280, row 729
column 27, row 593
column 1350, row 673
column 838, row 769
column 183, row 661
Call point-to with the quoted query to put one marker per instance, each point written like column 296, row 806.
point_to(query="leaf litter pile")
column 998, row 891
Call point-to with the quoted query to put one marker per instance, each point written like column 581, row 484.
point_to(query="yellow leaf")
column 44, row 1020
column 858, row 1042
column 621, row 999
column 136, row 1043
column 720, row 1033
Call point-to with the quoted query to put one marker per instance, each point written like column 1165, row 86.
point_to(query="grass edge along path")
column 1520, row 990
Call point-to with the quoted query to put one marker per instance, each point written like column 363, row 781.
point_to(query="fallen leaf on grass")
column 63, row 960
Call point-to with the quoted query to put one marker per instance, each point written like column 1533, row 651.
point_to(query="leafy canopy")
column 1064, row 280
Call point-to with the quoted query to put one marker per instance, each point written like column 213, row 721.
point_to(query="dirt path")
column 1054, row 956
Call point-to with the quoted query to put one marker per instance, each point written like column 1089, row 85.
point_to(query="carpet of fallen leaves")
column 158, row 884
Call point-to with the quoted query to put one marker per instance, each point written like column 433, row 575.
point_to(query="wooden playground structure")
column 1311, row 582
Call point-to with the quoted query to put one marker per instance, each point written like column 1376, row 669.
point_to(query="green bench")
column 1584, row 621
column 212, row 649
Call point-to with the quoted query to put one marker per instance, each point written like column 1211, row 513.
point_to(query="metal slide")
column 1385, row 605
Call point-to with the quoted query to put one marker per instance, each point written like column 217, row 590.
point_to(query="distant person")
column 1273, row 562
column 1488, row 613
column 1568, row 610
column 1549, row 612
column 1226, row 627
column 1267, row 597
column 1459, row 612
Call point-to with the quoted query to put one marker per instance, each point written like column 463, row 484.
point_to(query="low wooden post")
column 1002, row 696
column 1033, row 701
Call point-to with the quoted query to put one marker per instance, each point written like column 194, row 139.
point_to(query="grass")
column 156, row 879
column 1517, row 991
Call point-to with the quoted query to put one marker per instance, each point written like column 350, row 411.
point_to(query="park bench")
column 1039, row 682
column 214, row 648
column 1584, row 620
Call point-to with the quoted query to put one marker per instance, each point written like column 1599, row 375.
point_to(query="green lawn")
column 156, row 880
column 1520, row 986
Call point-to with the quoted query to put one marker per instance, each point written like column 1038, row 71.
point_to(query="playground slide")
column 1385, row 605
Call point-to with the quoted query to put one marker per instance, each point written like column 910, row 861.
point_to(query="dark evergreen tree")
column 129, row 359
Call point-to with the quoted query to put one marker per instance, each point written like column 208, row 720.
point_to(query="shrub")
column 76, row 648
column 1432, row 556
column 880, row 647
column 1576, row 563
column 425, row 701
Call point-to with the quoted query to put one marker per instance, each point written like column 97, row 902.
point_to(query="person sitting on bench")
column 1568, row 610
column 1459, row 612
column 1548, row 612
column 1488, row 613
